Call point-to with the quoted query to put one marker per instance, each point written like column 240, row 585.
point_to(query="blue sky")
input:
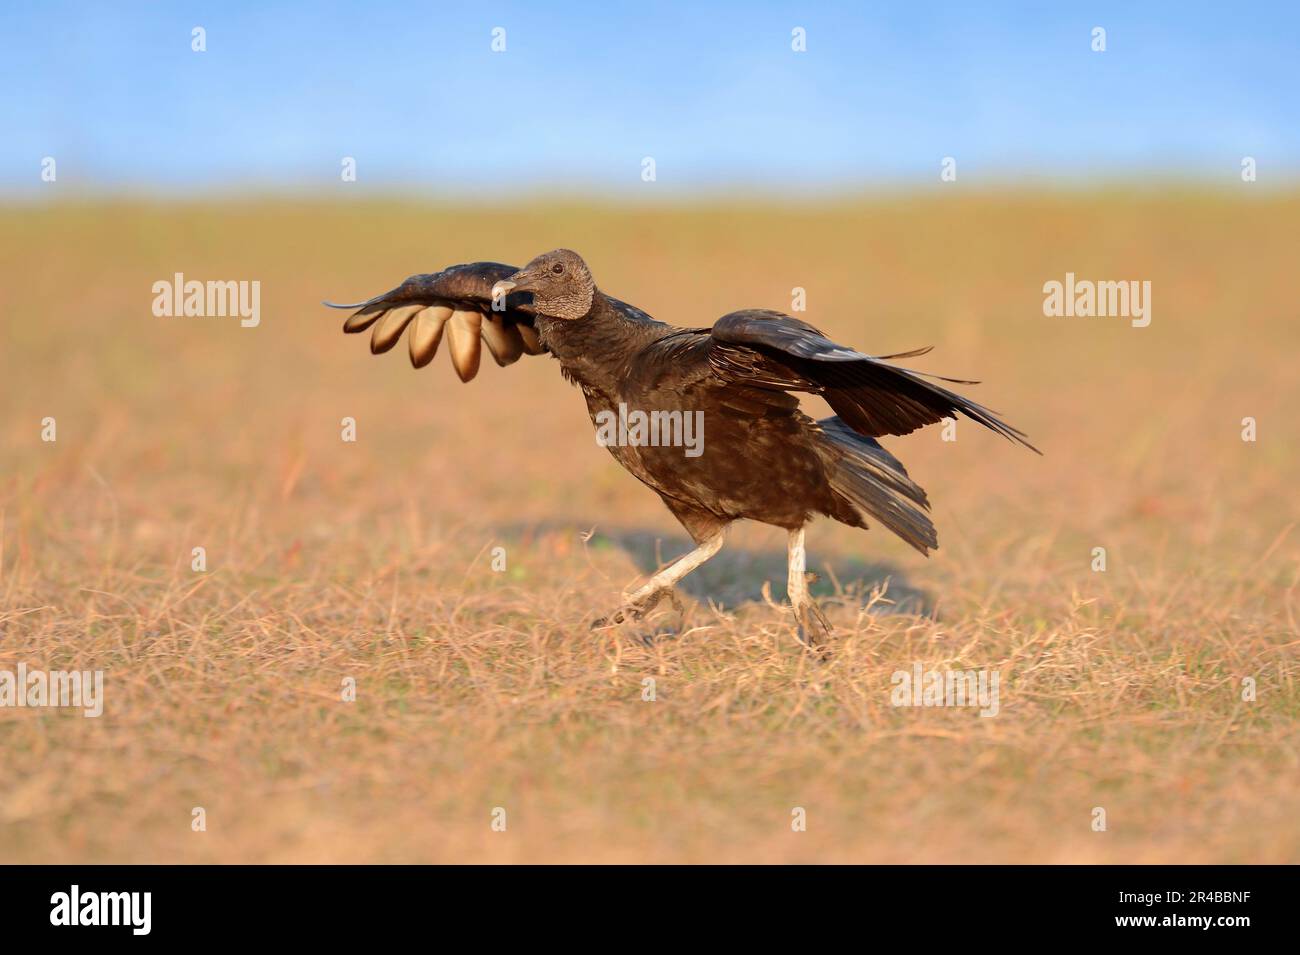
column 584, row 91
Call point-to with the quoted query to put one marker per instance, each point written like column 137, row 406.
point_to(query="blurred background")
column 128, row 156
column 583, row 92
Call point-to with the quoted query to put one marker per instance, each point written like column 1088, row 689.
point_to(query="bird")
column 759, row 458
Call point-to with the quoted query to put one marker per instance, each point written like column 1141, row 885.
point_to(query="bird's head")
column 560, row 281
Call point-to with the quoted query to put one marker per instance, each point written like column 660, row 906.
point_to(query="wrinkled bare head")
column 560, row 281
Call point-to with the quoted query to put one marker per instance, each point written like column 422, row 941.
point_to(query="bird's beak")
column 521, row 281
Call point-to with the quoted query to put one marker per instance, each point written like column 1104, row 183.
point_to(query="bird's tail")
column 875, row 484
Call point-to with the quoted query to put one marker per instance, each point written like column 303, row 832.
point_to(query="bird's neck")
column 597, row 349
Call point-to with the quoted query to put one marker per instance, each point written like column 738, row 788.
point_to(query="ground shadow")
column 737, row 574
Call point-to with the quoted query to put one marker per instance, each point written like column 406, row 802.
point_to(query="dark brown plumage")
column 762, row 458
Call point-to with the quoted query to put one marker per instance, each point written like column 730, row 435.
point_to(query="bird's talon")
column 813, row 630
column 638, row 609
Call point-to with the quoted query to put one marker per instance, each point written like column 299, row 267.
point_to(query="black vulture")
column 762, row 458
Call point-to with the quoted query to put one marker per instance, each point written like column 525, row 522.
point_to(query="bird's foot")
column 813, row 629
column 638, row 609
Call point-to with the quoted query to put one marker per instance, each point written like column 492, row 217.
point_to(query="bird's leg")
column 812, row 625
column 641, row 601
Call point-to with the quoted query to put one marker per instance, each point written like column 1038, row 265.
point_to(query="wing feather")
column 426, row 333
column 874, row 397
column 458, row 299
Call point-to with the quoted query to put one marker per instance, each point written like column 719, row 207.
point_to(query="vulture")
column 757, row 455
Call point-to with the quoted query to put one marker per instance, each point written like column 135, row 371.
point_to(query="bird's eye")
column 557, row 268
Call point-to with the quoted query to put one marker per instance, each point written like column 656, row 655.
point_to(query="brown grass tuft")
column 479, row 689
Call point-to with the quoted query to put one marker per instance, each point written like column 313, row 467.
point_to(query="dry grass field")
column 479, row 689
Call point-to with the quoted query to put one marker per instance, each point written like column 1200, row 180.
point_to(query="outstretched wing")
column 457, row 300
column 770, row 349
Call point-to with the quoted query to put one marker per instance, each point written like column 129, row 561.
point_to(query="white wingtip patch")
column 426, row 333
column 532, row 344
column 503, row 340
column 464, row 344
column 390, row 329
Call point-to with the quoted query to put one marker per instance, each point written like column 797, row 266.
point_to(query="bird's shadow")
column 737, row 575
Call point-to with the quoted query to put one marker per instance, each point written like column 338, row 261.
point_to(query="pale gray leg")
column 642, row 600
column 812, row 625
